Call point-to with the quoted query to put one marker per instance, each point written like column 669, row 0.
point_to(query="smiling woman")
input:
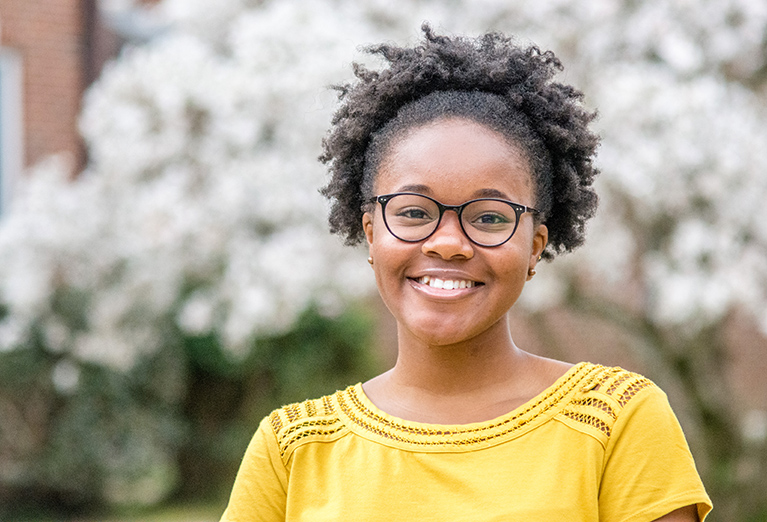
column 462, row 165
column 432, row 158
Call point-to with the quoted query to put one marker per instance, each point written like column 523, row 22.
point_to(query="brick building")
column 50, row 51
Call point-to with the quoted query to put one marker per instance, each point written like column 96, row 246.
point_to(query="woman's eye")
column 413, row 213
column 490, row 219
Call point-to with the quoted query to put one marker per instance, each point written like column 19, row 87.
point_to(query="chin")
column 442, row 331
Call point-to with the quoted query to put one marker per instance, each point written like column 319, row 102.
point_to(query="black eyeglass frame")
column 518, row 210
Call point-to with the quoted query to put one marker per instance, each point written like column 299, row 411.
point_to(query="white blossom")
column 65, row 376
column 200, row 206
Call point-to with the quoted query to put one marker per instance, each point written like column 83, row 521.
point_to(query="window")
column 11, row 128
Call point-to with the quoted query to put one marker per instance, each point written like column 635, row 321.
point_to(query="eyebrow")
column 415, row 188
column 481, row 193
column 490, row 193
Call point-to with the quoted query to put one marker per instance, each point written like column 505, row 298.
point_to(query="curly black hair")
column 489, row 80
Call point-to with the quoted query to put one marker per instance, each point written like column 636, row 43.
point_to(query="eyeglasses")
column 487, row 222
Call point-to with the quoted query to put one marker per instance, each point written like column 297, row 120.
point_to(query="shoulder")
column 314, row 420
column 605, row 398
column 647, row 467
column 619, row 385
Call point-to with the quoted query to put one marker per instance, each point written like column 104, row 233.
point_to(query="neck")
column 455, row 369
column 476, row 380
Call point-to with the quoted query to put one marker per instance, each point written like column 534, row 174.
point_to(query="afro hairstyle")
column 489, row 80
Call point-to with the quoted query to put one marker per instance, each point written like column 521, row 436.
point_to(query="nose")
column 448, row 241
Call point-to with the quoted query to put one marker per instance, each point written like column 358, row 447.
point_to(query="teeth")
column 446, row 284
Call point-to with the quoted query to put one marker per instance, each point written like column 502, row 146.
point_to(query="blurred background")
column 166, row 277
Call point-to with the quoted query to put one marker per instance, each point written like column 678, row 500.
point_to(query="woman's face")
column 453, row 161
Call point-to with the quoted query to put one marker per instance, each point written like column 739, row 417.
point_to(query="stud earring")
column 370, row 260
column 531, row 272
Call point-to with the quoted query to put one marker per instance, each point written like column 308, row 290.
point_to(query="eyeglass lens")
column 412, row 217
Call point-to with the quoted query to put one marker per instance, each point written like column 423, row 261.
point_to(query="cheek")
column 389, row 264
column 375, row 234
column 514, row 274
column 512, row 269
column 377, row 243
column 380, row 240
column 391, row 257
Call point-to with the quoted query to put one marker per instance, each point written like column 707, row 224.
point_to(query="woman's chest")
column 510, row 481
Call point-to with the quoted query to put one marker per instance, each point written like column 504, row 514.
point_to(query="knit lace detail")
column 588, row 397
column 312, row 420
column 597, row 409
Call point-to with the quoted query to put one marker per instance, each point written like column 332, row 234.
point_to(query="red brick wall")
column 48, row 35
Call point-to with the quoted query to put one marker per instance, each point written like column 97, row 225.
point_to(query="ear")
column 367, row 226
column 540, row 240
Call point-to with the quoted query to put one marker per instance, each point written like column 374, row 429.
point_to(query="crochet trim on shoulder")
column 602, row 399
column 308, row 421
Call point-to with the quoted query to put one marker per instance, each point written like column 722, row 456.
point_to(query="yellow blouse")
column 599, row 444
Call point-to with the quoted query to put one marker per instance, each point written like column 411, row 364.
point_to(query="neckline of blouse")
column 364, row 418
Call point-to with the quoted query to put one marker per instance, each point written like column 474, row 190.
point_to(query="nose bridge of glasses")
column 458, row 209
column 454, row 220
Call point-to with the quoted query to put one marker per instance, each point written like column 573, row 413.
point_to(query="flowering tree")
column 198, row 214
column 198, row 217
column 682, row 214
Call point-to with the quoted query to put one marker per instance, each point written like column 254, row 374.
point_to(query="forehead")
column 454, row 159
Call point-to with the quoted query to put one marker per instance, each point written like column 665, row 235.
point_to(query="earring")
column 370, row 260
column 531, row 271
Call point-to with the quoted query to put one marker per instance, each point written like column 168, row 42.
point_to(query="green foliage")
column 178, row 422
column 319, row 356
column 111, row 438
column 227, row 399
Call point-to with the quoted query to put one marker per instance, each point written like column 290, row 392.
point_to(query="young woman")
column 462, row 164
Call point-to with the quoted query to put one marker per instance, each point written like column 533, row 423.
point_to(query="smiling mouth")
column 446, row 284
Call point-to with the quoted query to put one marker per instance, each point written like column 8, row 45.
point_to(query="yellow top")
column 599, row 444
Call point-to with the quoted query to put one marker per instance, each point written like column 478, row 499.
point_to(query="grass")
column 189, row 512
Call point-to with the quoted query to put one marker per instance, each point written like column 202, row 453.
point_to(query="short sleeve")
column 649, row 470
column 259, row 491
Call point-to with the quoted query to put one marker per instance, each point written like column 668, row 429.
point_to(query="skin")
column 457, row 362
column 685, row 514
